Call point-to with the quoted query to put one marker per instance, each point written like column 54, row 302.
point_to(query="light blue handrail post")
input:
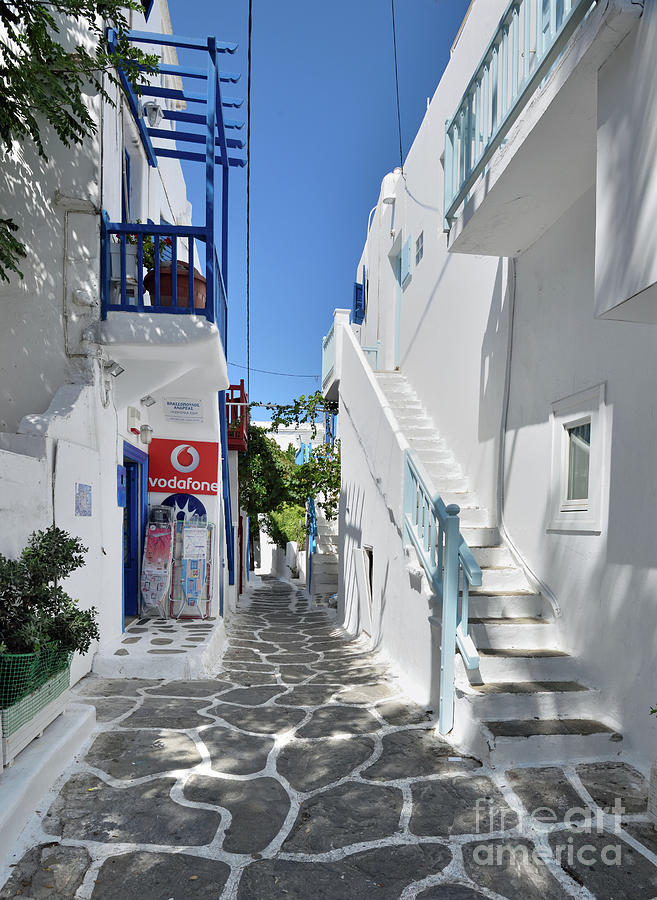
column 449, row 614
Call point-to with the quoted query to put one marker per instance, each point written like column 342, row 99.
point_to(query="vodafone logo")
column 190, row 467
column 185, row 458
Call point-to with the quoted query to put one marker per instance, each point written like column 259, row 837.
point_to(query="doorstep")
column 164, row 648
column 37, row 767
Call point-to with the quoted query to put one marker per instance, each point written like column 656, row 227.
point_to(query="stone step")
column 512, row 633
column 540, row 741
column 523, row 603
column 475, row 517
column 530, row 699
column 491, row 557
column 443, row 469
column 526, row 664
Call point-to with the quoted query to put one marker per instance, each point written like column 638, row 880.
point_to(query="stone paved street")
column 301, row 771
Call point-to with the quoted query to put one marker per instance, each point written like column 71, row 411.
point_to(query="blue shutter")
column 405, row 274
column 359, row 303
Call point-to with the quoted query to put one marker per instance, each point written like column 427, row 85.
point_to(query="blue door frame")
column 134, row 525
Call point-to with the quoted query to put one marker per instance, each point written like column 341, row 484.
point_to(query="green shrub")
column 286, row 523
column 34, row 610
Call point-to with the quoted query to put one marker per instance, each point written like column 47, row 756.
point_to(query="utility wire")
column 394, row 44
column 267, row 372
column 248, row 209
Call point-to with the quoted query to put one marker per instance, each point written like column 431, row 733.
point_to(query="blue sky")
column 323, row 135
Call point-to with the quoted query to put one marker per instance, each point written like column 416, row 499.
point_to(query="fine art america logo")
column 184, row 458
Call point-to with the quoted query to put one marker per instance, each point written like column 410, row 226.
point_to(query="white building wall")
column 453, row 349
column 62, row 419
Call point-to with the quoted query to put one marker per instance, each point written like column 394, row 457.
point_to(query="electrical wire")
column 248, row 208
column 394, row 45
column 267, row 372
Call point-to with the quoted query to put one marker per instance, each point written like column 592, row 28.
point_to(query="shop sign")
column 183, row 466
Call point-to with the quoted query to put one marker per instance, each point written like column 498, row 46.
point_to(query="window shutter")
column 406, row 262
column 359, row 303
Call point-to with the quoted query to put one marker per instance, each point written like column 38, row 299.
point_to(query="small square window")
column 579, row 462
column 419, row 247
column 579, row 456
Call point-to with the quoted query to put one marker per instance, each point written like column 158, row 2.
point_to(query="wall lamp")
column 113, row 368
column 145, row 434
column 148, row 400
column 389, row 185
column 153, row 112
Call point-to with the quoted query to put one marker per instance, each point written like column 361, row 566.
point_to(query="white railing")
column 529, row 38
column 328, row 356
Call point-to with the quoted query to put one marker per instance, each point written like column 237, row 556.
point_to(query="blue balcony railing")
column 529, row 38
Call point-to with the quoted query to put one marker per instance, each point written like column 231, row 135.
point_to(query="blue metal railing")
column 312, row 539
column 433, row 529
column 128, row 283
column 529, row 38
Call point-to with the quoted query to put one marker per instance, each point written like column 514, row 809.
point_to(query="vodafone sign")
column 189, row 467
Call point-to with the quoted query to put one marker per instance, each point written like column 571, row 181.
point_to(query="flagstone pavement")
column 301, row 771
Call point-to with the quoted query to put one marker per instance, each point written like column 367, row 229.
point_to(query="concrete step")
column 526, row 664
column 443, row 469
column 497, row 556
column 540, row 741
column 523, row 603
column 480, row 537
column 437, row 453
column 530, row 699
column 513, row 633
column 504, row 580
column 474, row 517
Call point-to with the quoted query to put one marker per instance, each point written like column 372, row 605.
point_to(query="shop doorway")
column 135, row 513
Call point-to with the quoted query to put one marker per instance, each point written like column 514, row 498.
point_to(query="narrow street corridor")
column 301, row 771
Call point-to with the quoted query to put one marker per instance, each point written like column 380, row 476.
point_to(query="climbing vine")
column 302, row 411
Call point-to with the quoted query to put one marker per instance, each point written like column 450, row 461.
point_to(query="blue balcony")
column 151, row 267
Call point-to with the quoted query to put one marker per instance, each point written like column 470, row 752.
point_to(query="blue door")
column 131, row 541
column 135, row 513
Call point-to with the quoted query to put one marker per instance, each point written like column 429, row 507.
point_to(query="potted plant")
column 40, row 628
column 182, row 284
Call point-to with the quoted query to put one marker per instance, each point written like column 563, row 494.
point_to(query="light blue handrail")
column 433, row 529
column 529, row 38
column 312, row 538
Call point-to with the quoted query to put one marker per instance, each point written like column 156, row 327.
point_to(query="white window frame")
column 585, row 515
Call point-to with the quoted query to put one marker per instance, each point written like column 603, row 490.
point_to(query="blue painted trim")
column 148, row 8
column 133, row 103
column 192, row 137
column 225, row 487
column 173, row 40
column 196, row 72
column 188, row 96
column 197, row 157
column 104, row 265
column 197, row 118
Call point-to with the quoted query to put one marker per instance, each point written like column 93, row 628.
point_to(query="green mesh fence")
column 29, row 682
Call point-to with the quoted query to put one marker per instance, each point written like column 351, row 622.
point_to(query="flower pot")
column 182, row 298
column 130, row 261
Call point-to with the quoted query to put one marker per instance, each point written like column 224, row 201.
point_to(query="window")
column 579, row 461
column 579, row 456
column 419, row 248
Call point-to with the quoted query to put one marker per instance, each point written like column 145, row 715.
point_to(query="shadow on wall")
column 35, row 193
column 493, row 360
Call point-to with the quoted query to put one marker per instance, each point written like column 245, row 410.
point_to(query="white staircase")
column 525, row 703
column 324, row 581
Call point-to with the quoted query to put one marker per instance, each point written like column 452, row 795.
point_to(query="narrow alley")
column 302, row 771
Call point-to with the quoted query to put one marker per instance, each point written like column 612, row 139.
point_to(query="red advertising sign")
column 188, row 467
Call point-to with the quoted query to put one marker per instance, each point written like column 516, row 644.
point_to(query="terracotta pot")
column 182, row 298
